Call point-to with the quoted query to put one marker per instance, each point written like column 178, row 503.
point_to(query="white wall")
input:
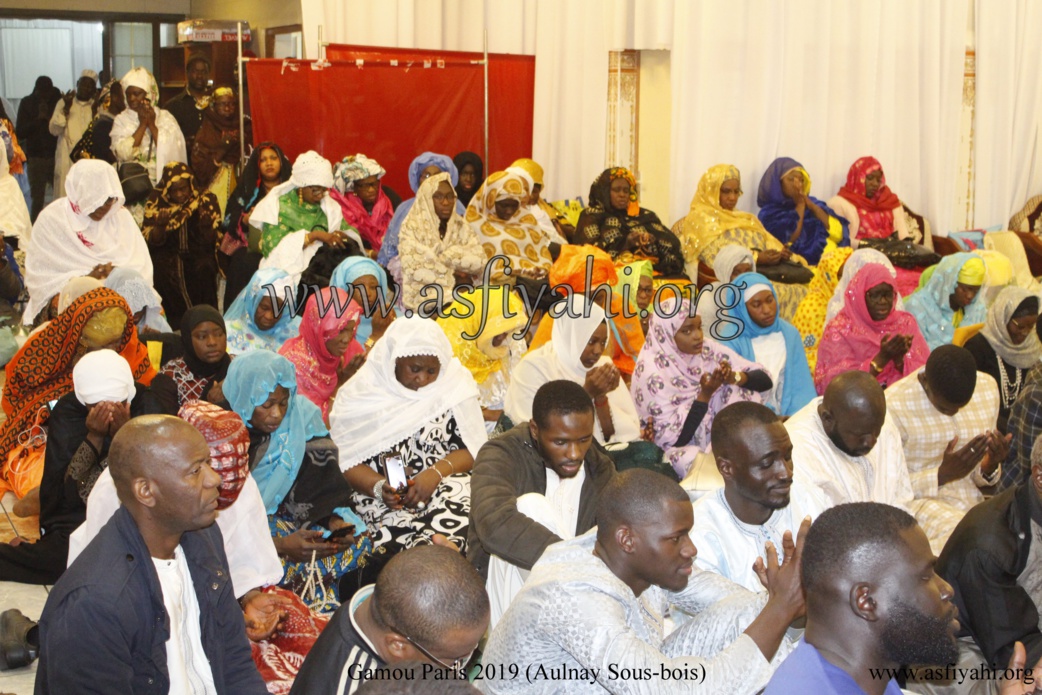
column 260, row 15
column 653, row 132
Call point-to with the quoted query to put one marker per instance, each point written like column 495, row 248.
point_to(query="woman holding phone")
column 408, row 426
column 293, row 461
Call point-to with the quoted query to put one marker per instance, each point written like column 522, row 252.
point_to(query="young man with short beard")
column 534, row 486
column 759, row 501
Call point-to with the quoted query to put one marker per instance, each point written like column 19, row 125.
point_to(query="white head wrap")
column 142, row 79
column 312, row 169
column 754, row 290
column 76, row 288
column 103, row 375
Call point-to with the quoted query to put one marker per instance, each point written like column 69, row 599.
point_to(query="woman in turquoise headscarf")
column 948, row 296
column 359, row 275
column 254, row 322
column 295, row 465
column 759, row 335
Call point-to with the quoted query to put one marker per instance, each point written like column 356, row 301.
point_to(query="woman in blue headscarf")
column 760, row 336
column 949, row 296
column 359, row 275
column 426, row 165
column 791, row 214
column 295, row 465
column 254, row 321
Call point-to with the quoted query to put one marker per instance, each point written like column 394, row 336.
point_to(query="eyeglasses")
column 456, row 666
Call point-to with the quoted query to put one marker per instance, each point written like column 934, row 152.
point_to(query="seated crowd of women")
column 320, row 380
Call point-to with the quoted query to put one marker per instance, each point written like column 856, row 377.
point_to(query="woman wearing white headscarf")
column 82, row 234
column 145, row 133
column 301, row 205
column 436, row 245
column 142, row 298
column 730, row 262
column 414, row 400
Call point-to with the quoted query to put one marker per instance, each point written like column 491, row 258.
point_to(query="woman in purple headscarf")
column 791, row 214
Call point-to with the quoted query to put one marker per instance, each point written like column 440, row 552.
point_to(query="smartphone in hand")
column 394, row 469
column 341, row 532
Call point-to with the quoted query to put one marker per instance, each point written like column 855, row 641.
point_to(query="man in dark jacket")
column 534, row 486
column 149, row 607
column 994, row 560
column 34, row 115
column 188, row 106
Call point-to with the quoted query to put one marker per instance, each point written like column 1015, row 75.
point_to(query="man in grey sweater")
column 534, row 486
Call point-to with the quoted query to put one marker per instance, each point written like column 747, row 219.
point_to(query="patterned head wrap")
column 355, row 168
column 229, row 443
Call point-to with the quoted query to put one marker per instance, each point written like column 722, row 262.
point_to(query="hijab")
column 779, row 217
column 797, row 384
column 728, row 258
column 229, row 443
column 243, row 333
column 637, row 270
column 252, row 378
column 344, row 277
column 474, row 320
column 706, row 220
column 326, row 314
column 41, row 371
column 67, row 243
column 560, row 358
column 201, row 313
column 853, row 337
column 461, row 160
column 876, row 214
column 930, row 304
column 520, row 238
column 389, row 248
column 374, row 411
column 162, row 210
column 858, row 260
column 666, row 381
column 995, row 330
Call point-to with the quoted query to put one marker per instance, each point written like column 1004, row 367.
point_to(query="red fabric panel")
column 392, row 113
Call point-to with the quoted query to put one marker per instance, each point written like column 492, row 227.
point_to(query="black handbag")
column 903, row 253
column 133, row 177
column 787, row 273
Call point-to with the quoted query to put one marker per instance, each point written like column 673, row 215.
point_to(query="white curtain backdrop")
column 570, row 39
column 824, row 83
column 1008, row 113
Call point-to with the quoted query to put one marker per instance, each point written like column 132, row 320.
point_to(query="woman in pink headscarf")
column 683, row 379
column 869, row 335
column 873, row 210
column 325, row 353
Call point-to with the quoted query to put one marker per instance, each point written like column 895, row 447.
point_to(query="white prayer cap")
column 312, row 169
column 103, row 375
column 90, row 73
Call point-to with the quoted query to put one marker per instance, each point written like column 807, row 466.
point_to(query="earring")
column 300, row 196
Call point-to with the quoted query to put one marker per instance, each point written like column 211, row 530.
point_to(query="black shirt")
column 982, row 560
column 340, row 656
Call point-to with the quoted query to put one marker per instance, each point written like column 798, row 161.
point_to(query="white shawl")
column 66, row 243
column 169, row 146
column 373, row 411
column 560, row 359
column 427, row 258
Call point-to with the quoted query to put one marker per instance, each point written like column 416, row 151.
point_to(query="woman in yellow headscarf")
column 714, row 222
column 501, row 219
column 626, row 337
column 482, row 338
column 810, row 316
column 948, row 296
column 554, row 223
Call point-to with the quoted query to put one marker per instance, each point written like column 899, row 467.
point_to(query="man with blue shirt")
column 874, row 602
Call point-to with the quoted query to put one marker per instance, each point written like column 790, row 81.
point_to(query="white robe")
column 880, row 476
column 169, row 146
column 66, row 243
column 14, row 215
column 728, row 546
column 252, row 559
column 68, row 129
